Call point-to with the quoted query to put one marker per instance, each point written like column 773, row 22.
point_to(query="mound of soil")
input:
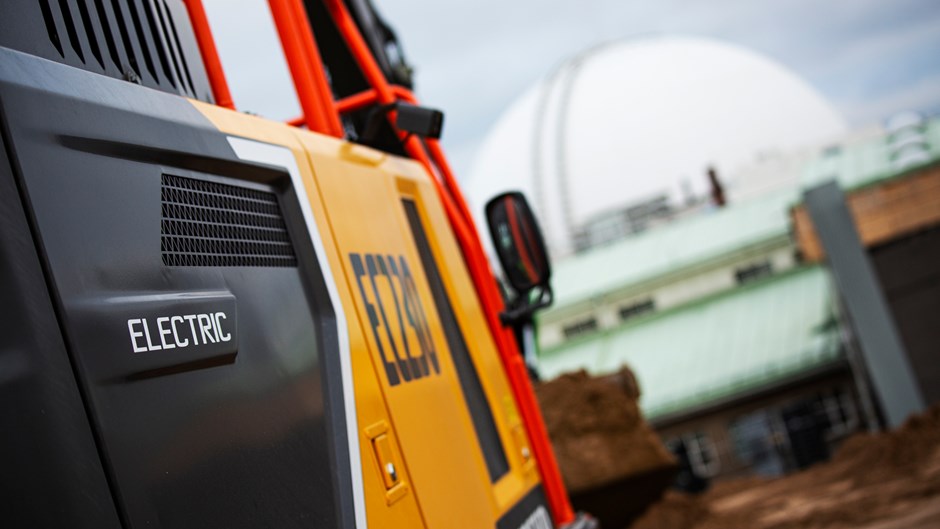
column 877, row 481
column 613, row 463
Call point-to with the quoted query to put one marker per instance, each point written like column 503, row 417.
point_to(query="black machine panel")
column 147, row 42
column 213, row 387
column 52, row 475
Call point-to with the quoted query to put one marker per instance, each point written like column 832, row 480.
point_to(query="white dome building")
column 638, row 122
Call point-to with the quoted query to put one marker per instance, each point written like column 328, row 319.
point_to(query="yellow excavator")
column 212, row 319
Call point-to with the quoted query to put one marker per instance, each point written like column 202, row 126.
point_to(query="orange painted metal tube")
column 490, row 298
column 324, row 92
column 210, row 55
column 360, row 50
column 450, row 180
column 309, row 90
column 356, row 101
column 404, row 94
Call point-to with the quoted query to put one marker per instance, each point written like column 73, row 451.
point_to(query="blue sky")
column 870, row 58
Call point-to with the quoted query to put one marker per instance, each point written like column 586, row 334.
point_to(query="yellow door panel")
column 373, row 196
column 406, row 343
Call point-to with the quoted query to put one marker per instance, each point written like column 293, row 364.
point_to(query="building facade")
column 732, row 323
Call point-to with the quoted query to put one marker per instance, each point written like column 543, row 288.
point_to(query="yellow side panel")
column 422, row 465
column 363, row 192
column 396, row 508
column 428, row 412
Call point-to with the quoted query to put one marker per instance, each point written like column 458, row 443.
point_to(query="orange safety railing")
column 210, row 56
column 306, row 67
column 322, row 114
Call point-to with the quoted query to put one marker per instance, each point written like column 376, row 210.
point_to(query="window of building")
column 636, row 309
column 752, row 272
column 756, row 443
column 580, row 327
column 840, row 411
column 703, row 454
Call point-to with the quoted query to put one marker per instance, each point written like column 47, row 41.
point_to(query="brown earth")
column 597, row 431
column 875, row 481
column 612, row 461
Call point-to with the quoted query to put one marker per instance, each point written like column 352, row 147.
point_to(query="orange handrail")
column 356, row 101
column 312, row 53
column 303, row 59
column 369, row 96
column 210, row 55
column 404, row 94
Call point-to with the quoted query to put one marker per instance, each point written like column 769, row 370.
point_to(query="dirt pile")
column 612, row 461
column 885, row 481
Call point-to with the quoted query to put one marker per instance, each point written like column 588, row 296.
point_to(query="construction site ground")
column 612, row 459
column 885, row 480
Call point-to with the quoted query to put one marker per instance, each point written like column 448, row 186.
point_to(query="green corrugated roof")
column 697, row 239
column 719, row 347
column 666, row 249
column 865, row 163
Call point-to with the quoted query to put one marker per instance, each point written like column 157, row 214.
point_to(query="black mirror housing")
column 518, row 242
column 421, row 121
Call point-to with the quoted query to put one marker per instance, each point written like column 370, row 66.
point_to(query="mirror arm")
column 524, row 309
column 374, row 122
column 411, row 119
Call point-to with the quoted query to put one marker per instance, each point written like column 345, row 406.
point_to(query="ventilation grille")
column 136, row 40
column 212, row 224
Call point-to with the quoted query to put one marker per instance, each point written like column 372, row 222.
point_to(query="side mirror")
column 521, row 250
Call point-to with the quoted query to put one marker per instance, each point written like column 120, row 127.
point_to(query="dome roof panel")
column 625, row 122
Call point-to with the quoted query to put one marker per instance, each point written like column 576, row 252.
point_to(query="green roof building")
column 735, row 338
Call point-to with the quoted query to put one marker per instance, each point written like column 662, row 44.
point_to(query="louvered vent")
column 212, row 224
column 136, row 40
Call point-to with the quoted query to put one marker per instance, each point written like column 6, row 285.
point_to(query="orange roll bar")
column 303, row 59
column 370, row 96
column 210, row 55
column 404, row 94
column 356, row 101
column 324, row 92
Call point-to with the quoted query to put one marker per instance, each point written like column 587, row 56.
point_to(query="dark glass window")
column 482, row 416
column 637, row 309
column 753, row 272
column 580, row 327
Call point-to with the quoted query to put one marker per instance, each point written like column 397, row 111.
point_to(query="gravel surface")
column 875, row 481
